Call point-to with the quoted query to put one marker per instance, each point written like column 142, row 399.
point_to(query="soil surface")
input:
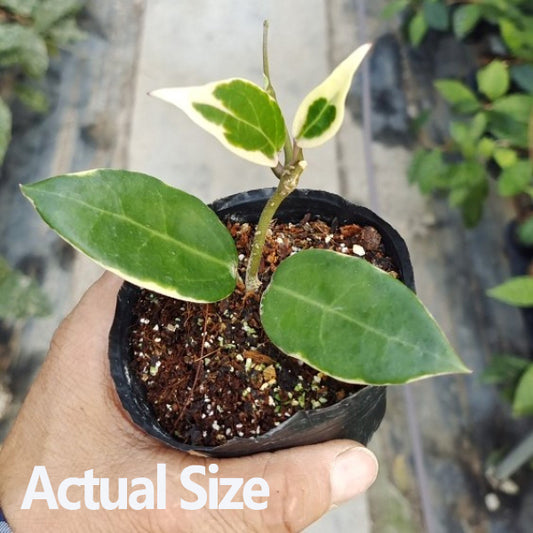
column 210, row 372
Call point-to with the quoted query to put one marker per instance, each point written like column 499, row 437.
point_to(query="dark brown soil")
column 211, row 373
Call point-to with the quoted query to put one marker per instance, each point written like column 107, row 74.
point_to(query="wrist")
column 4, row 526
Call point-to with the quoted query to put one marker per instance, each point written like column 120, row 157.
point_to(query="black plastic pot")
column 356, row 417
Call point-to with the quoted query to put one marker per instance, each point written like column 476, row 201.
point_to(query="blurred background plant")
column 491, row 123
column 513, row 374
column 31, row 31
column 20, row 296
column 489, row 142
column 486, row 148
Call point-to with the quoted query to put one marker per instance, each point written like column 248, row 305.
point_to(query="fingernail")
column 354, row 470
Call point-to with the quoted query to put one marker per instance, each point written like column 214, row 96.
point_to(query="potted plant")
column 205, row 314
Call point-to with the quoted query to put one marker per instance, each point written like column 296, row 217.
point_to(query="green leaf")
column 505, row 157
column 525, row 232
column 355, row 323
column 523, row 398
column 466, row 134
column 148, row 233
column 504, row 369
column 458, row 95
column 19, row 7
column 486, row 147
column 428, row 169
column 468, row 189
column 465, row 19
column 48, row 13
column 509, row 119
column 515, row 179
column 517, row 291
column 22, row 45
column 66, row 32
column 460, row 133
column 436, row 15
column 241, row 115
column 478, row 126
column 5, row 129
column 523, row 76
column 320, row 115
column 468, row 173
column 32, row 97
column 20, row 296
column 493, row 80
column 417, row 29
column 393, row 8
column 519, row 41
column 472, row 206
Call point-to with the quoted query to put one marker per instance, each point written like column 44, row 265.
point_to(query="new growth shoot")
column 288, row 174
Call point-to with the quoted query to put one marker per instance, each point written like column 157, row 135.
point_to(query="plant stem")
column 288, row 174
column 287, row 147
column 266, row 68
column 520, row 455
column 287, row 183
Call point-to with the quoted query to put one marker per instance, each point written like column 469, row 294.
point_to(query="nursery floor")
column 437, row 435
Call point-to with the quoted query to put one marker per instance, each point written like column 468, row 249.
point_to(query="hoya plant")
column 355, row 323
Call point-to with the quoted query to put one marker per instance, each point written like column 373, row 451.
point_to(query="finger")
column 89, row 323
column 98, row 304
column 304, row 483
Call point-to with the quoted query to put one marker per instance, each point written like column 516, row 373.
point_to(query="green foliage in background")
column 490, row 136
column 514, row 18
column 30, row 32
column 513, row 374
column 20, row 296
column 491, row 130
column 489, row 133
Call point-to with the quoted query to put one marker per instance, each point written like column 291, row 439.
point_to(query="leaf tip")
column 321, row 113
column 26, row 191
column 365, row 48
column 457, row 366
column 463, row 369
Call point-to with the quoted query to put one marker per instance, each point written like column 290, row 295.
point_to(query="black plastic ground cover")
column 356, row 417
column 520, row 258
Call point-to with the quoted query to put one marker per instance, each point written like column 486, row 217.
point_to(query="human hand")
column 72, row 421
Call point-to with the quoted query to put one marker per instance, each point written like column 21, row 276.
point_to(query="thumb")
column 307, row 481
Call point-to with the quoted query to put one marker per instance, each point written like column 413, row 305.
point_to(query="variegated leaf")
column 357, row 323
column 241, row 115
column 148, row 233
column 321, row 113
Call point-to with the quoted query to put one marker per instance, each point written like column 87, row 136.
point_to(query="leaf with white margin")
column 241, row 115
column 321, row 113
column 345, row 317
column 136, row 226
